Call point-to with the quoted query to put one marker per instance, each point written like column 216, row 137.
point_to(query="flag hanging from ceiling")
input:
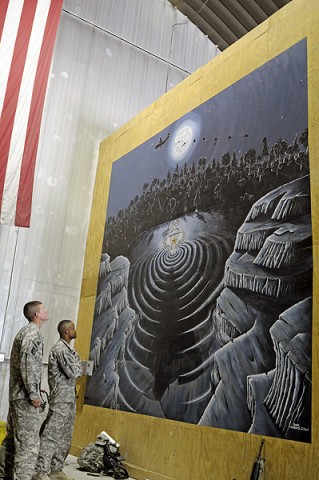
column 27, row 35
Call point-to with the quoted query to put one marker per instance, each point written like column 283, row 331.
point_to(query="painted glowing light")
column 173, row 236
column 184, row 138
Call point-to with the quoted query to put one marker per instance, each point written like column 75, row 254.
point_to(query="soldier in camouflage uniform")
column 21, row 444
column 63, row 370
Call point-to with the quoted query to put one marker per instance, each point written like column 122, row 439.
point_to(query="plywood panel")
column 163, row 449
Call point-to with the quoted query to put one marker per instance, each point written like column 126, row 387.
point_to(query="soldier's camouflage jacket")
column 63, row 369
column 26, row 364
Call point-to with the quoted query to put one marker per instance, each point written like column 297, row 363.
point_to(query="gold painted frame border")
column 225, row 454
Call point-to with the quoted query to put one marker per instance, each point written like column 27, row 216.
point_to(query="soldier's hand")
column 36, row 403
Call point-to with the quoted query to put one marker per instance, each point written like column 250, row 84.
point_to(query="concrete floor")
column 71, row 468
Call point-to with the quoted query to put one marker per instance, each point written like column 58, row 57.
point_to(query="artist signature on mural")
column 296, row 426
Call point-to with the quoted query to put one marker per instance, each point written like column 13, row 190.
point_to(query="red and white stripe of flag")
column 27, row 35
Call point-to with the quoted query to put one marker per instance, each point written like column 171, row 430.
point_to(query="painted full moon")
column 183, row 140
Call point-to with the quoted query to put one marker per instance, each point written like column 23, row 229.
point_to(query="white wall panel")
column 112, row 58
column 150, row 25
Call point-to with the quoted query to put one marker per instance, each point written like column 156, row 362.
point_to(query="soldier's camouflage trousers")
column 20, row 447
column 56, row 438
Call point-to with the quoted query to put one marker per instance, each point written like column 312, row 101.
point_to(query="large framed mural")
column 203, row 310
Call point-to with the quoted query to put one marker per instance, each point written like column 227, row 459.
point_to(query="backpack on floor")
column 91, row 458
column 103, row 459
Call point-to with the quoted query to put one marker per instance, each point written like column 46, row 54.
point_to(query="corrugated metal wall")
column 112, row 59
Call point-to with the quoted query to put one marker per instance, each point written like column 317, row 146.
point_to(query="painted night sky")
column 267, row 102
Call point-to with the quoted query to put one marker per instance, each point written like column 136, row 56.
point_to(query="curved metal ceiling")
column 225, row 21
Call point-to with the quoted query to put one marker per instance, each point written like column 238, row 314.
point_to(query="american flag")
column 27, row 35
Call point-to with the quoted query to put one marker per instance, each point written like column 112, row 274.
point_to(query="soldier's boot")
column 59, row 476
column 40, row 476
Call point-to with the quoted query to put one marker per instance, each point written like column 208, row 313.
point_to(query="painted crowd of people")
column 207, row 184
column 31, row 451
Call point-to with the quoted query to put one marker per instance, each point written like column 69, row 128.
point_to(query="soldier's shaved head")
column 31, row 308
column 63, row 326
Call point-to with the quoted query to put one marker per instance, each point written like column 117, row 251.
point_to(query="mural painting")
column 203, row 308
